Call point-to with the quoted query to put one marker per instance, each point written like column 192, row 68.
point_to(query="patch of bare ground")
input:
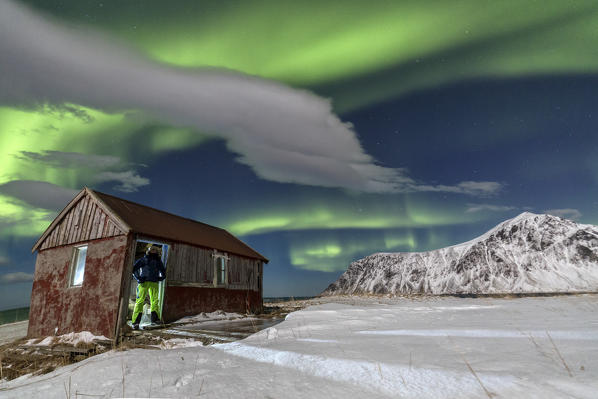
column 22, row 356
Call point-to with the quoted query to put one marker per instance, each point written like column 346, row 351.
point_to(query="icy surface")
column 430, row 347
column 529, row 253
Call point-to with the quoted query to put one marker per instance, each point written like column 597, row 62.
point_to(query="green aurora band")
column 372, row 212
column 338, row 46
column 330, row 252
column 71, row 129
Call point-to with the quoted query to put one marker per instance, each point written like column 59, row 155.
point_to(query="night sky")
column 318, row 132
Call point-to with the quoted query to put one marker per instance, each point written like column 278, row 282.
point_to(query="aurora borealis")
column 317, row 131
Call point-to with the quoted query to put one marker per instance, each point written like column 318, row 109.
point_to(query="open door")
column 140, row 248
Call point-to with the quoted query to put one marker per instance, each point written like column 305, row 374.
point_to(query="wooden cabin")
column 83, row 272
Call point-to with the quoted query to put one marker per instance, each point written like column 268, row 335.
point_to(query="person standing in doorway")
column 148, row 271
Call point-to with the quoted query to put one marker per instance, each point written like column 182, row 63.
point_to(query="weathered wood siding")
column 85, row 221
column 243, row 273
column 93, row 306
column 187, row 301
column 189, row 264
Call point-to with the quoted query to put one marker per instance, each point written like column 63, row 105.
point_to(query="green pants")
column 143, row 289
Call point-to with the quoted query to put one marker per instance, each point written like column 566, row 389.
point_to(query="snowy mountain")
column 529, row 253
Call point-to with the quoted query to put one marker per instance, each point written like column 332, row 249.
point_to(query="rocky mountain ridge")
column 527, row 254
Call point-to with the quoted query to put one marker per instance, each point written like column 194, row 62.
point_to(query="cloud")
column 482, row 189
column 472, row 208
column 129, row 181
column 38, row 193
column 566, row 213
column 70, row 159
column 4, row 261
column 17, row 277
column 283, row 134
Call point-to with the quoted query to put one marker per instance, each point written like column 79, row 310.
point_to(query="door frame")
column 161, row 284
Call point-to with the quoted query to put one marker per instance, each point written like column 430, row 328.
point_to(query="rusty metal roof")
column 156, row 223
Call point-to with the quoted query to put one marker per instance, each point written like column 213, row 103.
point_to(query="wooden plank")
column 199, row 264
column 68, row 220
column 52, row 238
column 76, row 218
column 196, row 264
column 104, row 228
column 74, row 223
column 181, row 268
column 188, row 264
column 99, row 221
column 101, row 226
column 95, row 221
column 97, row 218
column 179, row 261
column 55, row 237
column 89, row 214
column 84, row 219
column 189, row 268
column 172, row 253
column 61, row 230
column 180, row 264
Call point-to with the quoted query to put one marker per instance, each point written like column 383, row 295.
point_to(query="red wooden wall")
column 93, row 306
column 188, row 301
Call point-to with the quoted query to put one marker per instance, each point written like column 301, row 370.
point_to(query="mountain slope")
column 529, row 253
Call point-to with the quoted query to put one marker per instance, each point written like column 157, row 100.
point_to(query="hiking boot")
column 136, row 322
column 155, row 318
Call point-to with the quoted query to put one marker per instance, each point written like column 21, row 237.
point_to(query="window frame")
column 224, row 256
column 74, row 265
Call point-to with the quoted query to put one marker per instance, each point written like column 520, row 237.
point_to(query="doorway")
column 140, row 250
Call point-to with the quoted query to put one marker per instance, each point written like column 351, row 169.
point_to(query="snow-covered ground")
column 434, row 347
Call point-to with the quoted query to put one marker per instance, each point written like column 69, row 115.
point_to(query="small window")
column 78, row 266
column 220, row 268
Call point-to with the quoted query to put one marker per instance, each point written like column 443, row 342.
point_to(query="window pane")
column 220, row 270
column 79, row 264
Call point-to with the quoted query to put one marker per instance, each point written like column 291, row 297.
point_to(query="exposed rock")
column 529, row 253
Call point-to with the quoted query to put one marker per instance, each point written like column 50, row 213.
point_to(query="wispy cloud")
column 475, row 188
column 103, row 168
column 63, row 159
column 472, row 208
column 566, row 213
column 38, row 194
column 17, row 277
column 284, row 134
column 128, row 181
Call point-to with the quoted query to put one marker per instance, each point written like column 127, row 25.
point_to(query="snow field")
column 431, row 347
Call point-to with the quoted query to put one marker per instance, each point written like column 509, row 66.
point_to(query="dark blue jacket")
column 149, row 268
